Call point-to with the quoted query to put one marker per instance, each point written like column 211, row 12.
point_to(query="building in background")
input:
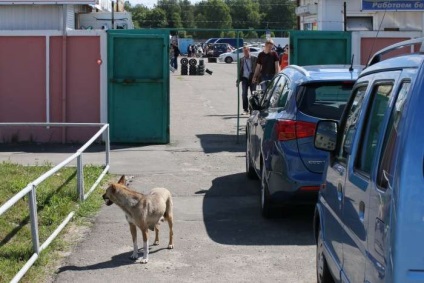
column 360, row 15
column 374, row 24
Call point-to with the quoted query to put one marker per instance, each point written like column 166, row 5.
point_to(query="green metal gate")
column 138, row 86
column 320, row 47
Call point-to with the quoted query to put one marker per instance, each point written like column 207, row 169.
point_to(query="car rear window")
column 324, row 100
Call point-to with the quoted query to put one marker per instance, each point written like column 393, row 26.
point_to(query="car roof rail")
column 378, row 55
column 300, row 69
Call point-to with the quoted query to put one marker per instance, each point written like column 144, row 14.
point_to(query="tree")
column 156, row 18
column 173, row 12
column 277, row 14
column 215, row 15
column 244, row 13
column 139, row 14
column 187, row 14
column 251, row 34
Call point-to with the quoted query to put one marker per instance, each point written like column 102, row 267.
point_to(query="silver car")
column 230, row 57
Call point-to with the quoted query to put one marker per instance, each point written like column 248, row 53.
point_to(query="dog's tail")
column 169, row 205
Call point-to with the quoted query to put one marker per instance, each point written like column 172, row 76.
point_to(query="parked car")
column 369, row 219
column 230, row 57
column 234, row 42
column 280, row 131
column 214, row 50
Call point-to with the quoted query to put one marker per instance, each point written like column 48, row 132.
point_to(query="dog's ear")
column 122, row 180
column 113, row 188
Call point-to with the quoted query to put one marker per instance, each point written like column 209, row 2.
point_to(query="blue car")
column 369, row 218
column 280, row 131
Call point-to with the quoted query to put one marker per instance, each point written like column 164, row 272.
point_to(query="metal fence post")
column 80, row 178
column 107, row 145
column 34, row 219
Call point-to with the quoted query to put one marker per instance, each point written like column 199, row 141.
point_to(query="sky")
column 151, row 3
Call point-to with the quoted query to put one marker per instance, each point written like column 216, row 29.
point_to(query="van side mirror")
column 254, row 100
column 326, row 135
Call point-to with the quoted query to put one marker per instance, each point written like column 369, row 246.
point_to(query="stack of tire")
column 184, row 66
column 201, row 68
column 192, row 69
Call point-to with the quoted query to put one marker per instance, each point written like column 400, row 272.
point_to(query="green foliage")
column 156, row 18
column 56, row 198
column 229, row 34
column 216, row 17
column 139, row 14
column 251, row 34
column 244, row 13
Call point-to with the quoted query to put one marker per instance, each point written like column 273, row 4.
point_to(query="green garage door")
column 320, row 47
column 138, row 86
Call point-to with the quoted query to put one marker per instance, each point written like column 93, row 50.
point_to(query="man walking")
column 247, row 67
column 267, row 66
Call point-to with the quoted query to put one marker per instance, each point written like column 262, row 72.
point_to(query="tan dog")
column 142, row 211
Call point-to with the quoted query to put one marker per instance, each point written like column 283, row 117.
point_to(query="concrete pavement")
column 219, row 233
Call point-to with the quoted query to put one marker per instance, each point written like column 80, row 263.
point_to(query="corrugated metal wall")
column 30, row 17
column 70, row 16
column 36, row 17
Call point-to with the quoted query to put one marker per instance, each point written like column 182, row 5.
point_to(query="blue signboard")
column 393, row 5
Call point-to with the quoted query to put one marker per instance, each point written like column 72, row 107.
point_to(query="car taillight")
column 309, row 189
column 290, row 130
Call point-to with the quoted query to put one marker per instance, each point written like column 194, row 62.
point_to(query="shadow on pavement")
column 214, row 143
column 116, row 261
column 231, row 212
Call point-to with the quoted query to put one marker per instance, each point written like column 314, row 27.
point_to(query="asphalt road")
column 219, row 235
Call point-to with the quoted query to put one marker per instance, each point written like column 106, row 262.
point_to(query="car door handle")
column 361, row 211
column 255, row 124
column 339, row 192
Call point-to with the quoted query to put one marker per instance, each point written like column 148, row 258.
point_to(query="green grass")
column 56, row 198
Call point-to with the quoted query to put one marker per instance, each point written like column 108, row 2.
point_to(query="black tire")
column 192, row 62
column 266, row 208
column 250, row 171
column 184, row 61
column 323, row 272
column 228, row 60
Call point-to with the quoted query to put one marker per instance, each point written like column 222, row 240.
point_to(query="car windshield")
column 324, row 100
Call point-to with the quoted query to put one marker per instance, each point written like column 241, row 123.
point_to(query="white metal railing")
column 30, row 189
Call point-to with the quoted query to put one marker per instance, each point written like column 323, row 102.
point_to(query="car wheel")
column 228, row 60
column 323, row 272
column 250, row 171
column 265, row 200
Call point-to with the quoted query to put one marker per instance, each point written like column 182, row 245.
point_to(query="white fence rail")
column 30, row 189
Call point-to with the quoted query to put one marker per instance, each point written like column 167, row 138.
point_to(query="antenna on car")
column 351, row 63
column 376, row 36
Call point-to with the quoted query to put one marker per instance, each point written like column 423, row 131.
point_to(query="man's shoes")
column 245, row 113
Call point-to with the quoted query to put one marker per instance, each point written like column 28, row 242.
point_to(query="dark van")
column 234, row 42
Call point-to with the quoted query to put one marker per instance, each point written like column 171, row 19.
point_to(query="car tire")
column 323, row 272
column 228, row 60
column 265, row 199
column 250, row 171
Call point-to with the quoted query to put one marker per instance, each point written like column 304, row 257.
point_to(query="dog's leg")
column 133, row 230
column 156, row 242
column 145, row 246
column 170, row 220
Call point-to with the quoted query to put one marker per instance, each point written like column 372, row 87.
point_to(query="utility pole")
column 344, row 16
column 113, row 14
